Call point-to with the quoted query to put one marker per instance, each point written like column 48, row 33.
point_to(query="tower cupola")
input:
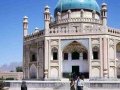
column 104, row 13
column 25, row 26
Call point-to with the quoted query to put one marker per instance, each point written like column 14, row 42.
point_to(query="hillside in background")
column 10, row 67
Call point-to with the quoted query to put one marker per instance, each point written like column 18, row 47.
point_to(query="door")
column 75, row 70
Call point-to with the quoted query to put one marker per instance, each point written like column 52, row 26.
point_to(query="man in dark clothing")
column 23, row 86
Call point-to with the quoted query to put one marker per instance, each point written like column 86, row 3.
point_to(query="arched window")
column 54, row 54
column 75, row 55
column 118, row 59
column 95, row 52
column 85, row 56
column 33, row 57
column 118, row 51
column 65, row 56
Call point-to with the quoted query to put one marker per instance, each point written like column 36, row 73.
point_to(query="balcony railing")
column 68, row 20
column 114, row 31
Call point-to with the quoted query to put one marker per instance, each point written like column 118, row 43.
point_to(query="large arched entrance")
column 118, row 59
column 33, row 72
column 75, row 60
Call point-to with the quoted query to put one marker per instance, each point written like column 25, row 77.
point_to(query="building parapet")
column 76, row 31
column 59, row 85
column 100, row 79
column 34, row 35
column 113, row 30
column 97, row 29
column 46, row 85
column 82, row 20
column 109, row 84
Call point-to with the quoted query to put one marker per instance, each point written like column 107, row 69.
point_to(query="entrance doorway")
column 75, row 70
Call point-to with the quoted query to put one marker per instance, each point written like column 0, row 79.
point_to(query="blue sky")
column 12, row 13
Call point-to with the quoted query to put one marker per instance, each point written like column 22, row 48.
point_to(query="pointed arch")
column 74, row 46
column 75, row 59
column 83, row 42
column 118, row 59
column 118, row 51
column 33, row 72
column 95, row 51
column 54, row 52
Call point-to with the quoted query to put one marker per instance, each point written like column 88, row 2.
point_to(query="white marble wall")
column 83, row 64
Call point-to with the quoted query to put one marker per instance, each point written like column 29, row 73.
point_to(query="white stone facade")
column 89, row 46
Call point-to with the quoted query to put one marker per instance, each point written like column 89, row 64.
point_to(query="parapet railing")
column 52, row 85
column 34, row 35
column 81, row 30
column 71, row 30
column 106, row 84
column 103, row 79
column 59, row 85
column 113, row 30
column 68, row 20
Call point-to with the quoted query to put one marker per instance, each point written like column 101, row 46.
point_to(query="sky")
column 11, row 16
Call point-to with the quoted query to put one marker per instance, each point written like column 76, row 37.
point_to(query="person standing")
column 72, row 85
column 23, row 86
column 80, row 83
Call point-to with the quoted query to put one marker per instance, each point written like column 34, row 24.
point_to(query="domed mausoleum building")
column 76, row 41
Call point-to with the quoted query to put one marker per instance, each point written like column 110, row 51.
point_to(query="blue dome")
column 64, row 5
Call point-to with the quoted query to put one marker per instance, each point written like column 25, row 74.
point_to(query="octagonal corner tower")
column 88, row 7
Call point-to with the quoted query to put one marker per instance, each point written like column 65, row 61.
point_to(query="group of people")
column 77, row 84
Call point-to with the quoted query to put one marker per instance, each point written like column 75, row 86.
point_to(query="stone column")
column 27, row 61
column 90, row 58
column 105, row 53
column 115, row 59
column 69, row 56
column 38, row 59
column 38, row 77
column 60, row 60
column 40, row 63
column 46, row 59
column 81, row 56
column 24, row 72
column 37, row 49
column 101, row 56
column 28, row 72
column 24, row 61
column 49, row 58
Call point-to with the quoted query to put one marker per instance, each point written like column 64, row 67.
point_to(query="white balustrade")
column 114, row 31
column 46, row 85
column 89, row 20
